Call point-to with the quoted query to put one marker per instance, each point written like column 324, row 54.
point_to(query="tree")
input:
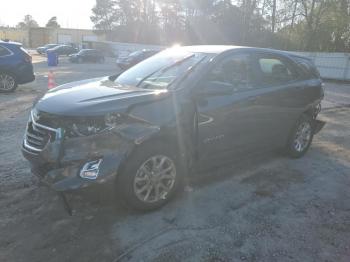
column 313, row 25
column 106, row 15
column 28, row 22
column 52, row 23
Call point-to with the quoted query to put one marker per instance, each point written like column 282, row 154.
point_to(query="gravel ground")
column 265, row 208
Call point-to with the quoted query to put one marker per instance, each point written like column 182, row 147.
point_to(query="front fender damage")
column 112, row 146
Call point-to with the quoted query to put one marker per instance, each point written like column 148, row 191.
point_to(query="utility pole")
column 273, row 16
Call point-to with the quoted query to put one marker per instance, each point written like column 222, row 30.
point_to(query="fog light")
column 90, row 169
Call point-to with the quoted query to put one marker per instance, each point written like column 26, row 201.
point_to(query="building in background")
column 40, row 36
column 14, row 34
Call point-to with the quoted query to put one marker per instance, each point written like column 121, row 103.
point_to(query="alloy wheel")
column 155, row 179
column 302, row 136
column 7, row 82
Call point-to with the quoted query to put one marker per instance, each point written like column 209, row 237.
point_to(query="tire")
column 80, row 60
column 8, row 82
column 137, row 173
column 301, row 137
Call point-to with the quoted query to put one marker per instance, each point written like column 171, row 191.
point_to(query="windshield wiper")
column 162, row 70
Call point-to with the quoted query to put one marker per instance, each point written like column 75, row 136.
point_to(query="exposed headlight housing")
column 112, row 120
column 92, row 126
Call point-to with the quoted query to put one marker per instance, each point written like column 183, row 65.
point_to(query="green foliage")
column 52, row 23
column 315, row 25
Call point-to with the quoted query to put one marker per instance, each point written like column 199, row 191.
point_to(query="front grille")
column 37, row 136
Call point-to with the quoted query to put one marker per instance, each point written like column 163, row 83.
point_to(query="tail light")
column 27, row 58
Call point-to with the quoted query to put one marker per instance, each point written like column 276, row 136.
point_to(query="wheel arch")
column 182, row 149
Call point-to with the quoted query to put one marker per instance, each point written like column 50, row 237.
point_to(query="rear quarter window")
column 4, row 51
column 24, row 51
column 308, row 68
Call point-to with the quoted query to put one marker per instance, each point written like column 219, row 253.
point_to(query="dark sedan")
column 42, row 49
column 186, row 108
column 87, row 55
column 63, row 50
column 134, row 58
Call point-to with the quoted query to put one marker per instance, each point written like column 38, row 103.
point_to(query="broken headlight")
column 112, row 120
column 92, row 126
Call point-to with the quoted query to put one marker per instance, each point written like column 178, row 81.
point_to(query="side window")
column 235, row 70
column 4, row 51
column 275, row 71
column 309, row 70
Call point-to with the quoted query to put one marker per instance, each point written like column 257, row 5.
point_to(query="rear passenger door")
column 281, row 99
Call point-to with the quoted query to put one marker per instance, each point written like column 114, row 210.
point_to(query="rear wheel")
column 7, row 82
column 150, row 178
column 301, row 137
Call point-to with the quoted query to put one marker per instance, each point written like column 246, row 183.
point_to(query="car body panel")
column 92, row 97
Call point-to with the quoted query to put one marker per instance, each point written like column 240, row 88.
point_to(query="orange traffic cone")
column 51, row 82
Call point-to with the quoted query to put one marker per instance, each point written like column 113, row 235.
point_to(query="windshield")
column 57, row 47
column 84, row 51
column 136, row 53
column 160, row 70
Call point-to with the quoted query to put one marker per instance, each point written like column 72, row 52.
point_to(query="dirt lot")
column 269, row 208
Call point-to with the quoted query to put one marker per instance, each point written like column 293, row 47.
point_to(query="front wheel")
column 7, row 83
column 150, row 178
column 301, row 137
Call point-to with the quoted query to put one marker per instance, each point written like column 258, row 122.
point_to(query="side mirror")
column 213, row 88
column 114, row 77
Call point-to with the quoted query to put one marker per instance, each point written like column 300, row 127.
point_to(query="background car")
column 134, row 58
column 87, row 55
column 15, row 66
column 42, row 49
column 63, row 50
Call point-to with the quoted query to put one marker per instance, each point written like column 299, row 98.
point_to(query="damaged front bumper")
column 75, row 163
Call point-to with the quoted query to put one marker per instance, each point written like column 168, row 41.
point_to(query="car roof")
column 218, row 49
column 5, row 43
column 210, row 49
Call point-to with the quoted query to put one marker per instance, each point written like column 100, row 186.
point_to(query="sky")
column 70, row 13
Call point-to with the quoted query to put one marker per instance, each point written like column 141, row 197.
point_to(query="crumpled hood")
column 93, row 97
